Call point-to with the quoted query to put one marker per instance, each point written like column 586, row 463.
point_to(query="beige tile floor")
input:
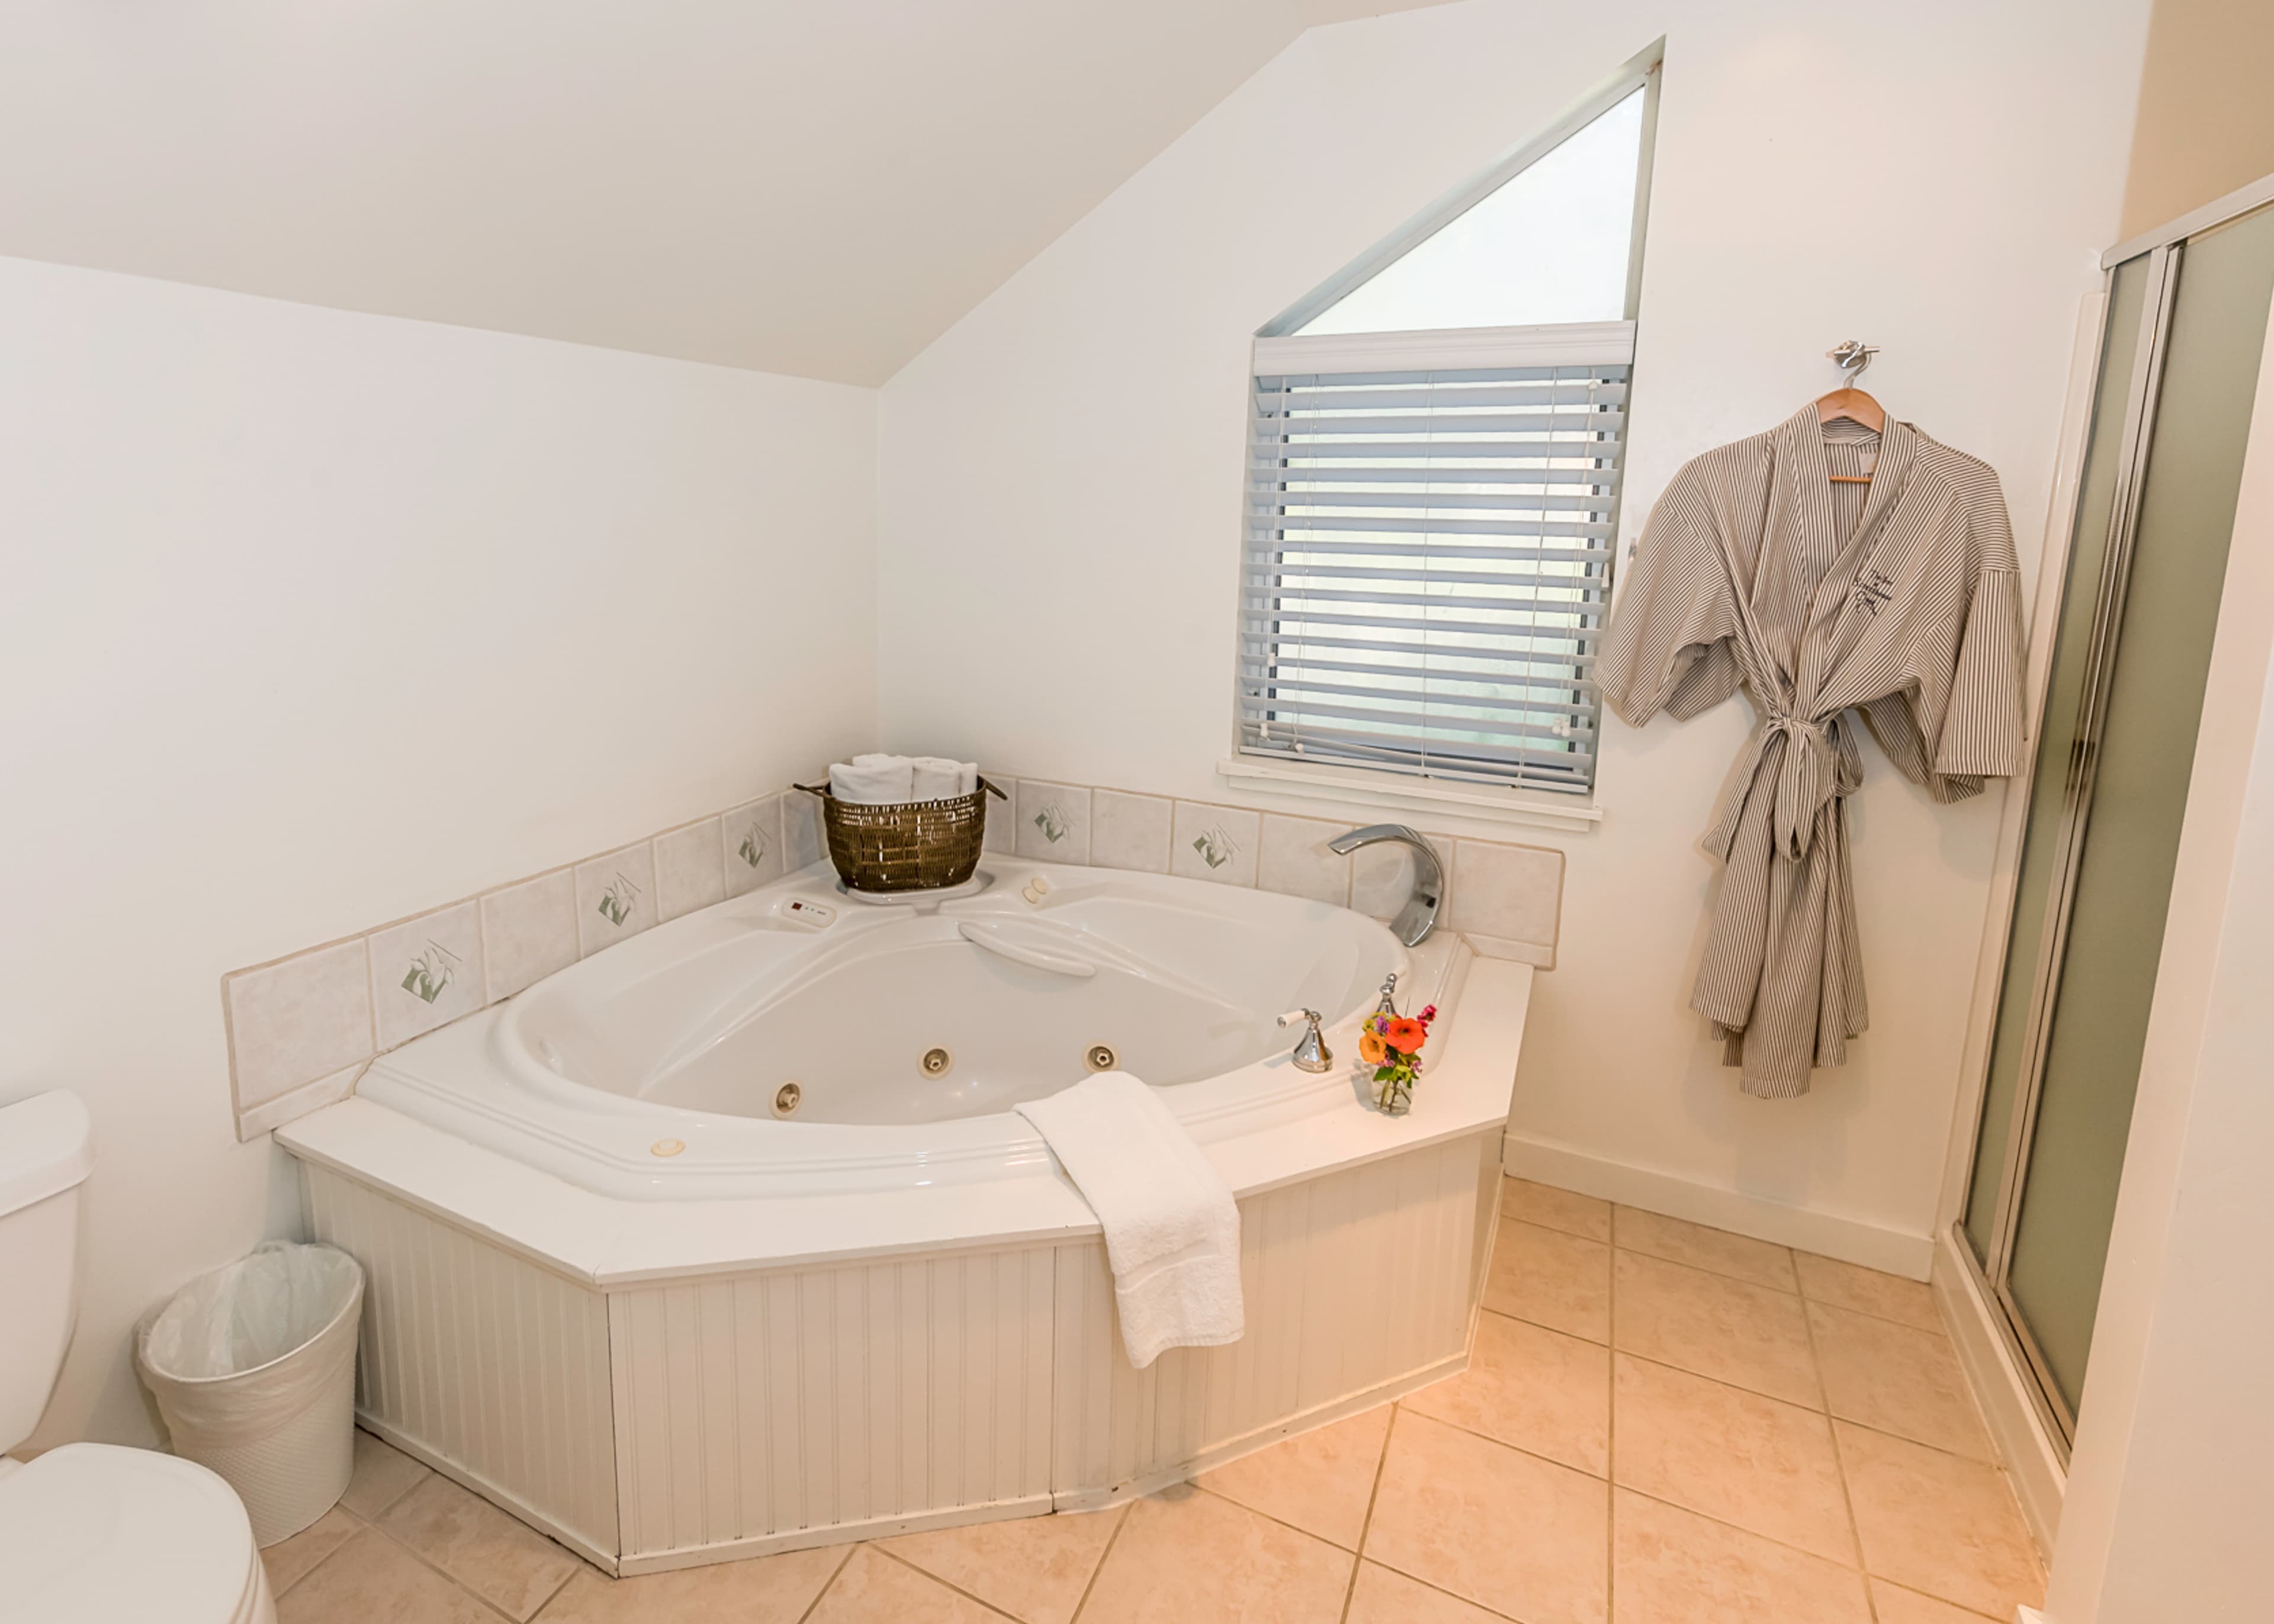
column 1661, row 1424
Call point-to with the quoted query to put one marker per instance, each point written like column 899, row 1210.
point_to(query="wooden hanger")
column 1852, row 403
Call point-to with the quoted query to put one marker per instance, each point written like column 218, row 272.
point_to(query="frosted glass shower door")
column 2132, row 648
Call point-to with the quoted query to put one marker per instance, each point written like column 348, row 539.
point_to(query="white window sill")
column 1397, row 790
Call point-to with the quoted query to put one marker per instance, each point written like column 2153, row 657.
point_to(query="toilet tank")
column 46, row 1150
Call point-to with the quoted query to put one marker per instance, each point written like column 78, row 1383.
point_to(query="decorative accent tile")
column 1130, row 832
column 426, row 971
column 689, row 869
column 802, row 846
column 1509, row 895
column 1002, row 816
column 1053, row 821
column 751, row 845
column 1214, row 843
column 1382, row 877
column 615, row 897
column 528, row 931
column 1292, row 859
column 299, row 1019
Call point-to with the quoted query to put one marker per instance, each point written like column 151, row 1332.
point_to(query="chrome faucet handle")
column 1311, row 1051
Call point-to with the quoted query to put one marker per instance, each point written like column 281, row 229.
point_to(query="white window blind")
column 1431, row 521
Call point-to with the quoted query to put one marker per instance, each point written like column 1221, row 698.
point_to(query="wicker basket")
column 906, row 845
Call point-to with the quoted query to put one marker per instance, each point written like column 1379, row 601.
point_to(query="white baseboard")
column 2033, row 1464
column 1851, row 1240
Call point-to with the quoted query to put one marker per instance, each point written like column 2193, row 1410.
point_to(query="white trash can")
column 253, row 1369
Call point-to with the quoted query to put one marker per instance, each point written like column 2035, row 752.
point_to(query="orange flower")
column 1406, row 1035
column 1370, row 1046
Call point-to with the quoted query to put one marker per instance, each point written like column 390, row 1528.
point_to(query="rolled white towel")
column 937, row 778
column 874, row 781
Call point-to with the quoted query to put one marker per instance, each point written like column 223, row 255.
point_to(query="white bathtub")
column 591, row 1237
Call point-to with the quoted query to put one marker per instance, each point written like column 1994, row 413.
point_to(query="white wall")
column 310, row 621
column 1058, row 514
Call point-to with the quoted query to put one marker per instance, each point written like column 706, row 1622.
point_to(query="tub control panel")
column 807, row 911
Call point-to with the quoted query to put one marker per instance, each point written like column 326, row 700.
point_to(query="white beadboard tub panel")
column 485, row 1365
column 1358, row 1284
column 754, row 1409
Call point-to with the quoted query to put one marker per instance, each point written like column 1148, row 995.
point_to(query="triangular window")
column 1546, row 236
column 1436, row 443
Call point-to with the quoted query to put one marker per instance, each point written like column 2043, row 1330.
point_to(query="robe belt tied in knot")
column 1818, row 761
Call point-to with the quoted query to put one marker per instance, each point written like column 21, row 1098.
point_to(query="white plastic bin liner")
column 253, row 1369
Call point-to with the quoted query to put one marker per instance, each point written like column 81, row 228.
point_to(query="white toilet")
column 91, row 1533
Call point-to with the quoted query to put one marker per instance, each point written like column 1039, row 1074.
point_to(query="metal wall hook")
column 1851, row 357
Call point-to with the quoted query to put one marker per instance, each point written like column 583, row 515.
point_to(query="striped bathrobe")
column 1895, row 601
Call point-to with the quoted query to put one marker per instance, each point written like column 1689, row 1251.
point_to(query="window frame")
column 1280, row 347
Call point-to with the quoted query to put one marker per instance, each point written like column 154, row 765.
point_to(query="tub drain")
column 786, row 1099
column 937, row 1063
column 1101, row 1057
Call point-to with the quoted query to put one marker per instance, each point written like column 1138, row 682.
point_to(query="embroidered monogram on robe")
column 1896, row 602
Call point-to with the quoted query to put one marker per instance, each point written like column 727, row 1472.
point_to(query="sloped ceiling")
column 818, row 189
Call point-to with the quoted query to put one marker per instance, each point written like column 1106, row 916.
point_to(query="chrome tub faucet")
column 1418, row 917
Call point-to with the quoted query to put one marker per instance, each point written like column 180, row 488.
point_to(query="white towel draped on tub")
column 1172, row 1229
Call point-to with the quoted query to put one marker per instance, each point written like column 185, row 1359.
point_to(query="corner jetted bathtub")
column 726, row 1240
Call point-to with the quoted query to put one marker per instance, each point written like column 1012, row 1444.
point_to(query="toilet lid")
column 93, row 1534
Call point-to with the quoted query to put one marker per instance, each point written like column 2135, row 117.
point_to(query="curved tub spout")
column 1418, row 917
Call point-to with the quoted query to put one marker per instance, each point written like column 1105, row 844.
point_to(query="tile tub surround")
column 1558, row 1478
column 302, row 1028
column 1506, row 898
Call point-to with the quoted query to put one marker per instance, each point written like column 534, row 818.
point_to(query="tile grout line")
column 538, row 1613
column 1839, row 1460
column 359, row 1526
column 1611, row 1427
column 1794, row 1252
column 444, row 1573
column 1104, row 1556
column 830, row 1582
column 893, row 1556
column 1372, row 1495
